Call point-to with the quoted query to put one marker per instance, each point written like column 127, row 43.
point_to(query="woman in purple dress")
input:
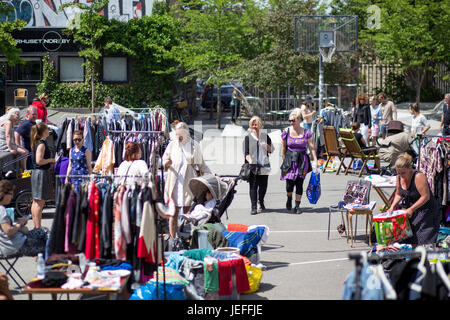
column 296, row 163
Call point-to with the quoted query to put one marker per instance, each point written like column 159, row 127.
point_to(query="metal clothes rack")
column 420, row 136
column 158, row 222
column 377, row 257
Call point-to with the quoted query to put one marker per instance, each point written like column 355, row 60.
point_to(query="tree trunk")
column 219, row 108
column 92, row 92
column 211, row 106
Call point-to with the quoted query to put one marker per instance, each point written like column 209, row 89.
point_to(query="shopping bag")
column 313, row 191
column 254, row 275
column 392, row 228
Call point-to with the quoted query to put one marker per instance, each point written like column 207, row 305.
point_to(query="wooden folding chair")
column 353, row 150
column 332, row 147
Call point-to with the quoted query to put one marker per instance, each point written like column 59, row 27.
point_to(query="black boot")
column 254, row 211
column 289, row 203
column 262, row 207
column 297, row 209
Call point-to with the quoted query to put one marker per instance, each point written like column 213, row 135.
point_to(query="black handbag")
column 244, row 174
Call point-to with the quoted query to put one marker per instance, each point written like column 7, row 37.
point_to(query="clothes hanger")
column 390, row 293
column 442, row 274
column 421, row 267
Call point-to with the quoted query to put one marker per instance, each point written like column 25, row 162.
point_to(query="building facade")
column 44, row 34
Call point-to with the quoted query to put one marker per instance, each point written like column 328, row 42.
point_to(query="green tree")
column 8, row 45
column 89, row 29
column 411, row 34
column 213, row 31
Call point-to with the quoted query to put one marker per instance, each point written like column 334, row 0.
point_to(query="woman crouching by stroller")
column 257, row 146
column 182, row 160
column 296, row 163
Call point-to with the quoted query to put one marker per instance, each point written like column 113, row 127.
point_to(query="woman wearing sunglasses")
column 296, row 163
column 79, row 160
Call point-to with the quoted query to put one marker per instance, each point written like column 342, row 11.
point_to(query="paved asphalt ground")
column 301, row 264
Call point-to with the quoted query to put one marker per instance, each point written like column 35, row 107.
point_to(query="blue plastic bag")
column 147, row 291
column 313, row 191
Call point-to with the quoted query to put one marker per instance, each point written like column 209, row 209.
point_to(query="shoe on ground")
column 262, row 207
column 289, row 205
column 254, row 211
column 297, row 210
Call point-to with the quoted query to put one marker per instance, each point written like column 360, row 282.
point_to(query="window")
column 30, row 71
column 115, row 69
column 71, row 69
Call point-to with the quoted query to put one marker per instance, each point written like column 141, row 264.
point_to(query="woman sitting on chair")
column 7, row 140
column 15, row 236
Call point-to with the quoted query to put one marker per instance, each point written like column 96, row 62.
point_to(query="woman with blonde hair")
column 257, row 147
column 363, row 115
column 182, row 160
column 296, row 163
column 40, row 175
column 414, row 195
column 7, row 138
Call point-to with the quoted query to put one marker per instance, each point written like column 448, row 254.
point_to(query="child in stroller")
column 201, row 212
column 212, row 197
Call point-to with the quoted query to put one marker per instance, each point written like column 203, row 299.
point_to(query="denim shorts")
column 383, row 129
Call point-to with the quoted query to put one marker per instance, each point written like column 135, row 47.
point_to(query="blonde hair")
column 258, row 121
column 404, row 161
column 363, row 97
column 297, row 113
column 11, row 112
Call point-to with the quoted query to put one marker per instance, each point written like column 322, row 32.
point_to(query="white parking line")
column 300, row 231
column 305, row 262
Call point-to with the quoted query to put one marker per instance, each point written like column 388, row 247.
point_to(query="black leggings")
column 298, row 184
column 258, row 188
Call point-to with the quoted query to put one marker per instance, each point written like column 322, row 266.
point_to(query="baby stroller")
column 222, row 188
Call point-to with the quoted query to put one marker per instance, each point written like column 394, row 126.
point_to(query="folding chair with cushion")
column 9, row 268
column 353, row 150
column 332, row 147
column 21, row 94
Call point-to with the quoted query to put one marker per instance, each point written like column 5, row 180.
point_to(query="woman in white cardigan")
column 182, row 160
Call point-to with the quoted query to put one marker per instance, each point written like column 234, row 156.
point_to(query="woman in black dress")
column 40, row 175
column 414, row 195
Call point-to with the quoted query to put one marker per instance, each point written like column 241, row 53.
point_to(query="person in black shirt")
column 24, row 130
column 358, row 135
column 40, row 176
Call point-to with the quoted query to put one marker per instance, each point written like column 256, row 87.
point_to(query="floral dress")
column 79, row 166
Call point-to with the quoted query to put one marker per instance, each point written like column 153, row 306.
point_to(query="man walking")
column 445, row 119
column 389, row 112
column 24, row 130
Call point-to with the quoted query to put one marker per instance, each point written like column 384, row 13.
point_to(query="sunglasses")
column 291, row 120
column 77, row 140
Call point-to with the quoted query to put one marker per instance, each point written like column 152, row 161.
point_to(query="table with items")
column 380, row 183
column 67, row 278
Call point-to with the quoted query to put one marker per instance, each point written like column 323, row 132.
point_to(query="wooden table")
column 55, row 291
column 369, row 217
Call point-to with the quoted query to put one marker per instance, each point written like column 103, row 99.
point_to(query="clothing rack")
column 420, row 136
column 158, row 222
column 129, row 131
column 377, row 257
